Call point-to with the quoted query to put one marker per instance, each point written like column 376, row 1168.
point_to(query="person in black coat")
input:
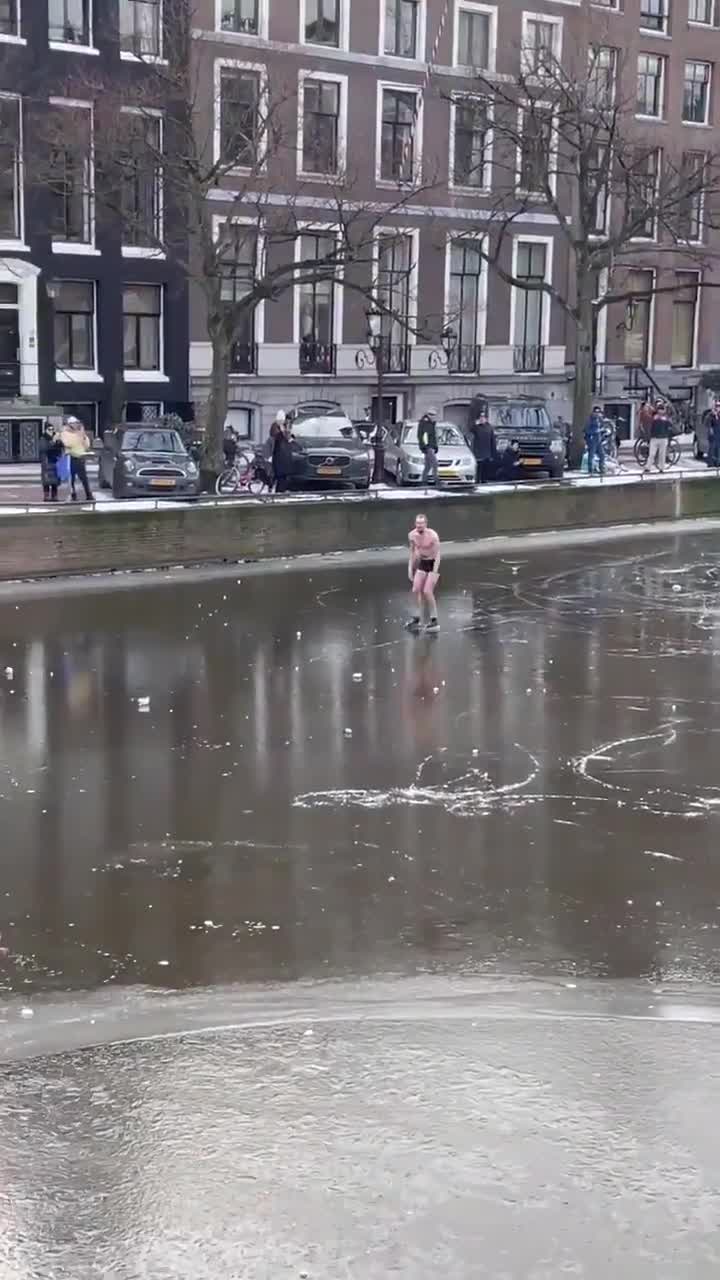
column 50, row 450
column 482, row 443
column 282, row 458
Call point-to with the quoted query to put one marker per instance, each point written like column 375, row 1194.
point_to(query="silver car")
column 404, row 462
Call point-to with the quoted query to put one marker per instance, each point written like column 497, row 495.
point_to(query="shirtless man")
column 423, row 572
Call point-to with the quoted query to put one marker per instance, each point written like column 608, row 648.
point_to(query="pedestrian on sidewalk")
column 77, row 444
column 482, row 443
column 51, row 451
column 661, row 429
column 594, row 440
column 427, row 440
column 282, row 455
column 713, row 426
column 424, row 573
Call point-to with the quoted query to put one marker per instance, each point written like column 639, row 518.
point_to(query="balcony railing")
column 243, row 357
column 317, row 357
column 395, row 356
column 10, row 378
column 529, row 359
column 464, row 359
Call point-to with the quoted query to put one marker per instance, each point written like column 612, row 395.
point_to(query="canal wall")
column 49, row 542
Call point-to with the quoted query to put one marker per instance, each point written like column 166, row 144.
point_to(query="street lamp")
column 376, row 345
column 448, row 342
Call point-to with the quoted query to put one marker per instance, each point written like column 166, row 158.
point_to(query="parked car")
column 329, row 452
column 526, row 419
column 136, row 461
column 404, row 462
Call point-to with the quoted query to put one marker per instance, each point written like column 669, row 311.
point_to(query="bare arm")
column 411, row 561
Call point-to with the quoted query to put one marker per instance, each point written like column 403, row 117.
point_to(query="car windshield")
column 152, row 442
column 324, row 429
column 447, row 434
column 519, row 415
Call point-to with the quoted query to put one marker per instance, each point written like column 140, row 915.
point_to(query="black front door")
column 9, row 354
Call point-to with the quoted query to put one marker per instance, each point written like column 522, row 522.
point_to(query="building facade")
column 88, row 323
column 384, row 89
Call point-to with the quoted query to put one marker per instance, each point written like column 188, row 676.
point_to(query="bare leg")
column 418, row 598
column 430, row 602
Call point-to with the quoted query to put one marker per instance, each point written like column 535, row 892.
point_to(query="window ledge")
column 140, row 251
column 323, row 48
column 606, row 8
column 405, row 188
column 77, row 375
column 659, row 35
column 240, row 35
column 652, row 119
column 703, row 26
column 459, row 190
column 60, row 46
column 5, row 39
column 152, row 59
column 144, row 375
column 697, row 124
column 328, row 179
column 84, row 250
column 16, row 245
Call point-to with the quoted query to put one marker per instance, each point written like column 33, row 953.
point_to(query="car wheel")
column 398, row 477
column 556, row 473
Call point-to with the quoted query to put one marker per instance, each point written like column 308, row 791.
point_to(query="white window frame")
column 62, row 46
column 601, row 48
column 343, row 34
column 342, row 82
column 152, row 59
column 148, row 375
column 654, row 31
column 473, row 6
column 696, row 319
column 701, row 210
column 600, row 235
column 658, row 151
column 396, row 58
column 549, row 243
column 414, row 234
column 612, row 7
column 547, row 19
column 455, row 99
column 18, row 242
column 640, row 115
column 700, row 124
column 88, row 245
column 325, row 229
column 707, row 26
column 219, row 220
column 552, row 157
column 263, row 23
column 651, row 310
column 71, row 373
column 481, row 316
column 263, row 105
column 142, row 251
column 19, row 38
column 401, row 87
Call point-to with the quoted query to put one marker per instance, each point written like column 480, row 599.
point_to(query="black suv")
column 525, row 419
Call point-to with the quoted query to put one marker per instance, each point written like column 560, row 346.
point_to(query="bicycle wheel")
column 673, row 454
column 257, row 482
column 641, row 449
column 228, row 482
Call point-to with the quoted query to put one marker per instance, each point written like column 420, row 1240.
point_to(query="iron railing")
column 529, row 359
column 243, row 357
column 318, row 357
column 464, row 359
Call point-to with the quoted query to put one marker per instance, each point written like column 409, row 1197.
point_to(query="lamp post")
column 448, row 342
column 376, row 345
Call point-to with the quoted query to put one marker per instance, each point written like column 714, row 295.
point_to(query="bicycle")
column 246, row 474
column 641, row 450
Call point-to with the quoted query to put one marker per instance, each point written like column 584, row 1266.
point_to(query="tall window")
column 141, row 27
column 71, row 181
column 239, row 273
column 141, row 180
column 704, row 11
column 397, row 153
column 9, row 18
column 696, row 93
column 529, row 306
column 637, row 327
column 651, row 69
column 473, row 39
column 317, row 296
column 240, row 15
column 321, row 127
column 395, row 264
column 643, row 194
column 69, row 21
column 602, row 66
column 322, row 22
column 401, row 27
column 683, row 320
column 240, row 119
column 690, row 204
column 540, row 46
column 470, row 142
column 607, row 4
column 142, row 318
column 10, row 168
column 598, row 191
column 536, row 151
column 464, row 300
column 75, row 324
column 654, row 14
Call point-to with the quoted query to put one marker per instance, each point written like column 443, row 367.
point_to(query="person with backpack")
column 427, row 440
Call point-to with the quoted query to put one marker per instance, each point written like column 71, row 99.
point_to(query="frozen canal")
column 352, row 953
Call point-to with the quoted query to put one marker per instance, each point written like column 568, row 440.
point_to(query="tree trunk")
column 584, row 378
column 213, row 459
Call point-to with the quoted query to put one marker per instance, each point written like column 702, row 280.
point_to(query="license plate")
column 531, row 462
column 446, row 471
column 329, row 471
column 162, row 484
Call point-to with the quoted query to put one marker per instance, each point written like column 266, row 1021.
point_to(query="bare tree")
column 566, row 138
column 195, row 163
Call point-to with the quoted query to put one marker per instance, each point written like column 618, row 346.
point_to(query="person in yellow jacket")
column 77, row 445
